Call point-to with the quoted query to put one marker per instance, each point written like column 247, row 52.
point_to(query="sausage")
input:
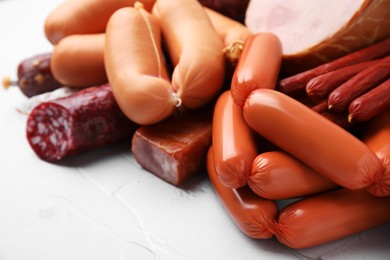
column 297, row 82
column 175, row 149
column 253, row 215
column 77, row 123
column 277, row 175
column 311, row 138
column 233, row 141
column 377, row 137
column 370, row 104
column 83, row 17
column 195, row 49
column 78, row 60
column 258, row 66
column 133, row 61
column 319, row 87
column 340, row 98
column 34, row 76
column 330, row 216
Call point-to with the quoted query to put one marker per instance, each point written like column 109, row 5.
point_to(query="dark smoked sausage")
column 85, row 120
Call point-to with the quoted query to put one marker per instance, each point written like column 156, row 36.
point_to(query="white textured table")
column 102, row 205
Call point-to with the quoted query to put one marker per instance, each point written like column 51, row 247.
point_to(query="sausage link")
column 277, row 175
column 311, row 138
column 253, row 215
column 78, row 60
column 370, row 104
column 233, row 142
column 330, row 216
column 258, row 66
column 377, row 137
column 195, row 49
column 133, row 61
column 340, row 98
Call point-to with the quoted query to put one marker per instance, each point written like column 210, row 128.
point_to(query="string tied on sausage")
column 233, row 51
column 176, row 100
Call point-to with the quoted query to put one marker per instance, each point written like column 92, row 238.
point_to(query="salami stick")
column 85, row 120
column 341, row 97
column 297, row 83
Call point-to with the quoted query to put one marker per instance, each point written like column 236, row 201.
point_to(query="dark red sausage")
column 85, row 120
column 253, row 215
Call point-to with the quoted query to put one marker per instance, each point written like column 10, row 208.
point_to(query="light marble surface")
column 102, row 205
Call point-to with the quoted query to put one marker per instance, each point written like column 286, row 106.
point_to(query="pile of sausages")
column 267, row 145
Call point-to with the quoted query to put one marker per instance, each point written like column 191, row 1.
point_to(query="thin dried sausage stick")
column 340, row 98
column 330, row 216
column 277, row 175
column 233, row 141
column 258, row 66
column 252, row 214
column 313, row 139
column 319, row 87
column 370, row 104
column 82, row 121
column 297, row 83
column 377, row 137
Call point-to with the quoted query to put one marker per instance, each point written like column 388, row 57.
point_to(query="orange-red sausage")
column 277, row 175
column 330, row 216
column 233, row 142
column 313, row 139
column 195, row 49
column 258, row 66
column 377, row 137
column 134, row 66
column 78, row 60
column 253, row 215
column 83, row 17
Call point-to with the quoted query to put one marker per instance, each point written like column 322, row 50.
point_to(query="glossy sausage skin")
column 377, row 137
column 253, row 215
column 134, row 66
column 277, row 175
column 330, row 216
column 78, row 60
column 195, row 49
column 258, row 66
column 233, row 142
column 83, row 17
column 313, row 139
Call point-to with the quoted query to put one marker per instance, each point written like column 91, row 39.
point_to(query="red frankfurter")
column 253, row 215
column 311, row 138
column 330, row 216
column 82, row 121
column 377, row 137
column 258, row 66
column 277, row 175
column 233, row 142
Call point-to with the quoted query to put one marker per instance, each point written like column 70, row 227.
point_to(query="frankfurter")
column 253, row 215
column 233, row 142
column 377, row 137
column 311, row 138
column 258, row 66
column 330, row 216
column 277, row 175
column 83, row 17
column 34, row 76
column 83, row 121
column 78, row 60
column 195, row 49
column 135, row 68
